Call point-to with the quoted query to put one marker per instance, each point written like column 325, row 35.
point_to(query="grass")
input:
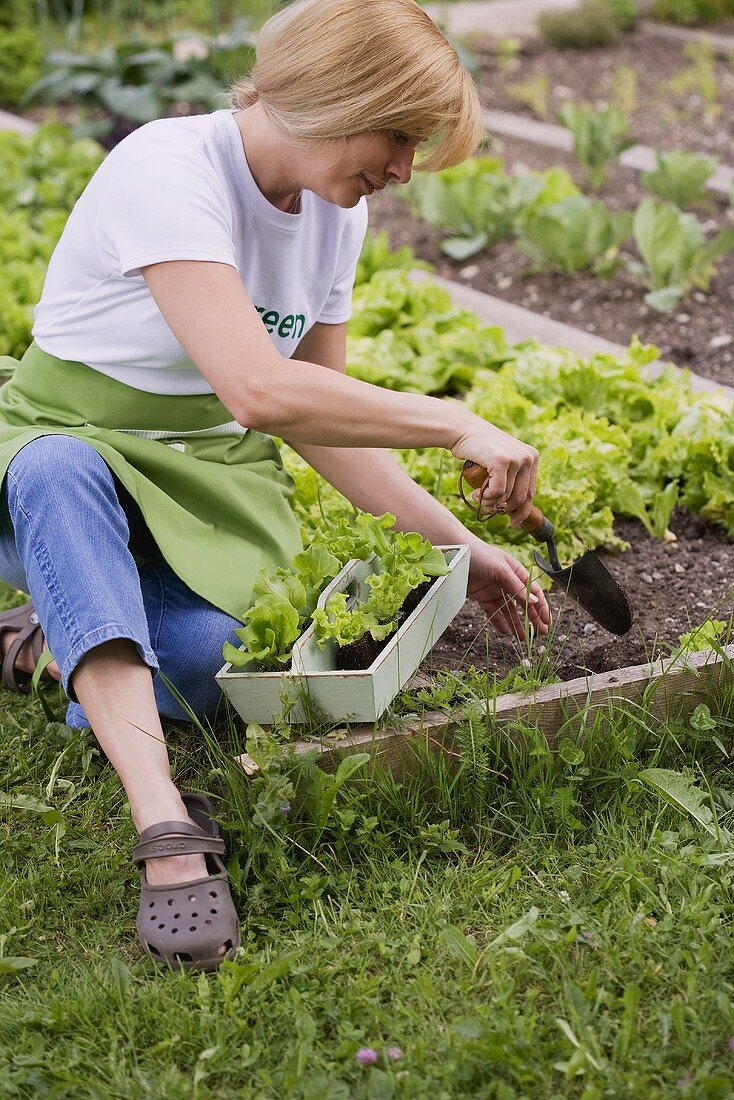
column 531, row 924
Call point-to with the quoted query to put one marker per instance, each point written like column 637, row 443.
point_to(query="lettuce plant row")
column 43, row 175
column 612, row 441
column 567, row 232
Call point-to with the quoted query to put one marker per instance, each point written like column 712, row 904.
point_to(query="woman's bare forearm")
column 374, row 482
column 308, row 403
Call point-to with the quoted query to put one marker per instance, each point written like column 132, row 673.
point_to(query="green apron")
column 214, row 495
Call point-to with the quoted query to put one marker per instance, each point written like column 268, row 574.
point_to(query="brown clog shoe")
column 190, row 925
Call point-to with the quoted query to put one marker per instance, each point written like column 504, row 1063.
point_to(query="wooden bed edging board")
column 723, row 44
column 669, row 688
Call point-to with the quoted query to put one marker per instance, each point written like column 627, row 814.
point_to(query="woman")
column 196, row 306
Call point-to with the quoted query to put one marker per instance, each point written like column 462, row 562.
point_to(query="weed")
column 625, row 88
column 590, row 25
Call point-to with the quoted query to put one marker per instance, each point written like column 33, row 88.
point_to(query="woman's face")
column 361, row 164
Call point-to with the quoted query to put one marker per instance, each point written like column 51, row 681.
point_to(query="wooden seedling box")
column 362, row 695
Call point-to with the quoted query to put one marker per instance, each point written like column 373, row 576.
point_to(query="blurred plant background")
column 107, row 66
column 40, row 37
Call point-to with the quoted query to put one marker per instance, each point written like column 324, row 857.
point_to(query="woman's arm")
column 371, row 478
column 374, row 482
column 210, row 313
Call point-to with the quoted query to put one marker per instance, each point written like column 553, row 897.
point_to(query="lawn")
column 527, row 924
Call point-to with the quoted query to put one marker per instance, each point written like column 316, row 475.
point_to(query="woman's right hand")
column 512, row 469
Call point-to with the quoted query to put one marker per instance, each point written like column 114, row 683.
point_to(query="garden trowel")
column 588, row 581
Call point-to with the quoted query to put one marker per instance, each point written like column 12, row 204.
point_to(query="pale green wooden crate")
column 355, row 696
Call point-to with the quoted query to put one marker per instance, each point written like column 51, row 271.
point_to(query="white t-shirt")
column 176, row 189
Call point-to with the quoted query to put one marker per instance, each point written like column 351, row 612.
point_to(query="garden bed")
column 636, row 73
column 672, row 600
column 697, row 335
column 672, row 587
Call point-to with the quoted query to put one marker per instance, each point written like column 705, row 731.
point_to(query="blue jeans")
column 65, row 539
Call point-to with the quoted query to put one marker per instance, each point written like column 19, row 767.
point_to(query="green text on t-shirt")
column 291, row 325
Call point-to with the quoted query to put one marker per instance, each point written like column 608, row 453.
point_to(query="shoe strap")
column 9, row 669
column 174, row 838
column 27, row 627
column 162, row 827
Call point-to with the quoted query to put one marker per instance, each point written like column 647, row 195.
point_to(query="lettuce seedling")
column 680, row 177
column 674, row 251
column 409, row 562
column 272, row 626
column 345, row 625
column 285, row 599
column 706, row 636
column 376, row 255
column 599, row 137
column 476, row 201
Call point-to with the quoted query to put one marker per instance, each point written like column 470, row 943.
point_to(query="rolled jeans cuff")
column 96, row 637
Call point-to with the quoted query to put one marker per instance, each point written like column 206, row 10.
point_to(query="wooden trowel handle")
column 536, row 524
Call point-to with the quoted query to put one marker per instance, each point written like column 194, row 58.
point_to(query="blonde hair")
column 328, row 69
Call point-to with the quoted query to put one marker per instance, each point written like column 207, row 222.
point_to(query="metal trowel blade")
column 590, row 584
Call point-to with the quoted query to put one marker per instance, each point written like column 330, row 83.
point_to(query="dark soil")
column 672, row 587
column 642, row 73
column 362, row 653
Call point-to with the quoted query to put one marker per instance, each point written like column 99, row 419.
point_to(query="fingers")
column 507, row 619
column 520, row 496
column 541, row 609
column 510, row 615
column 521, row 514
column 502, row 587
column 499, row 621
column 492, row 497
column 510, row 485
column 530, row 598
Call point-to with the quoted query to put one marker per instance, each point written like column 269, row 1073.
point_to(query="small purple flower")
column 682, row 1081
column 730, row 1043
column 394, row 1053
column 285, row 808
column 366, row 1056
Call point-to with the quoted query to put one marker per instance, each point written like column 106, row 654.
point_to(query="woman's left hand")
column 499, row 584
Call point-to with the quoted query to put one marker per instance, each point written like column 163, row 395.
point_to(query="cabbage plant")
column 575, row 235
column 479, row 203
column 599, row 138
